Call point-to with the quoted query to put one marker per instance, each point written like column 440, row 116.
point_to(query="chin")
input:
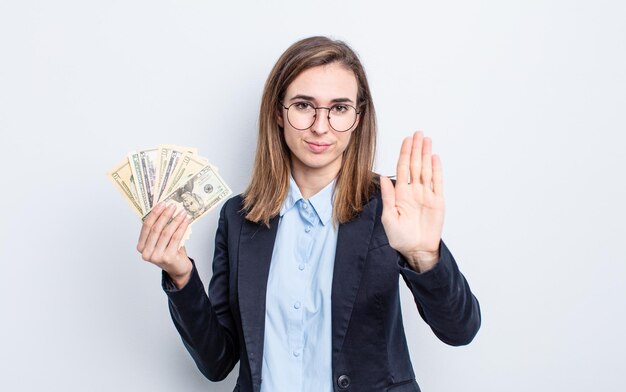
column 316, row 162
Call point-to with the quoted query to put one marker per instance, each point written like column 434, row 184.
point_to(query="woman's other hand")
column 159, row 242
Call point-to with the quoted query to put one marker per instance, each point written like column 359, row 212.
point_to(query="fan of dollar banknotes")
column 172, row 174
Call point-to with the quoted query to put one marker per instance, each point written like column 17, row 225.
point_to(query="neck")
column 310, row 181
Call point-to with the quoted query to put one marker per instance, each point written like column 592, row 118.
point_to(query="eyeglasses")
column 301, row 115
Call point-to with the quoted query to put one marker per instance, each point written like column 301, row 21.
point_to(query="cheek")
column 291, row 138
column 344, row 140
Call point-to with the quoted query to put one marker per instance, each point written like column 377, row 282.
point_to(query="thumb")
column 388, row 194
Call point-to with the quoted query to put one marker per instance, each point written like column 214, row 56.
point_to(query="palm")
column 413, row 211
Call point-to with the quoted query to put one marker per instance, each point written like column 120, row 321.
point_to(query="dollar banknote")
column 122, row 178
column 135, row 166
column 199, row 194
column 169, row 160
column 189, row 166
column 148, row 160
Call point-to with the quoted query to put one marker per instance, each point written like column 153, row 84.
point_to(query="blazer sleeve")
column 444, row 299
column 206, row 325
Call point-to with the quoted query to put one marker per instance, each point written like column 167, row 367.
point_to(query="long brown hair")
column 270, row 177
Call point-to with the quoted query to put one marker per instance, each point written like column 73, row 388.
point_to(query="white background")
column 525, row 102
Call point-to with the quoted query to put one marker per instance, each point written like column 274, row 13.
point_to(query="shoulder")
column 231, row 216
column 376, row 195
column 233, row 206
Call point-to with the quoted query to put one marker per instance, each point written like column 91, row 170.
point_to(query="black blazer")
column 369, row 349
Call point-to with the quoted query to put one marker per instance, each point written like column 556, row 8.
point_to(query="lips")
column 317, row 147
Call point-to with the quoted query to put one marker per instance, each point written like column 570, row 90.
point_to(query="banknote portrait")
column 192, row 202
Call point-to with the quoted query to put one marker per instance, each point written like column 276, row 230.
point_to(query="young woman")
column 305, row 286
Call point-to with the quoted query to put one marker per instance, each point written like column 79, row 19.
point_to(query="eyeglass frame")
column 328, row 117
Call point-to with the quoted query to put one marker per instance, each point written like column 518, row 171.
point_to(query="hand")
column 159, row 242
column 413, row 211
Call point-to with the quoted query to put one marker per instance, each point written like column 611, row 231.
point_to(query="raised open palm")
column 413, row 211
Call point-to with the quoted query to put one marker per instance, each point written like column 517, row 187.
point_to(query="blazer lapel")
column 352, row 245
column 256, row 244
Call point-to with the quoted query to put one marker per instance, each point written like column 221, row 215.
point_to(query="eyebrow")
column 309, row 98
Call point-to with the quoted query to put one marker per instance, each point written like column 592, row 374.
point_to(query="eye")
column 340, row 109
column 302, row 106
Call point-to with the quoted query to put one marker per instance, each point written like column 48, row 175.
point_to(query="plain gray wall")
column 525, row 102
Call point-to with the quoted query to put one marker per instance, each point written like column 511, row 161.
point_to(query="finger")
column 427, row 166
column 403, row 162
column 155, row 231
column 437, row 176
column 171, row 236
column 174, row 244
column 416, row 156
column 152, row 216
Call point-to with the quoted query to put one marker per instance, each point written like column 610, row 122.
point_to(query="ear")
column 356, row 124
column 279, row 118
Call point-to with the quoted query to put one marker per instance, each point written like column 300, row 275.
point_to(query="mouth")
column 317, row 147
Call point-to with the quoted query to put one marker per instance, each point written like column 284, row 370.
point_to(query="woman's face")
column 319, row 149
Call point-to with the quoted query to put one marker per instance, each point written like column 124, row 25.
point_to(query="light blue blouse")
column 297, row 347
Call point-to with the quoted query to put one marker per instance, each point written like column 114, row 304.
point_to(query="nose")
column 321, row 124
